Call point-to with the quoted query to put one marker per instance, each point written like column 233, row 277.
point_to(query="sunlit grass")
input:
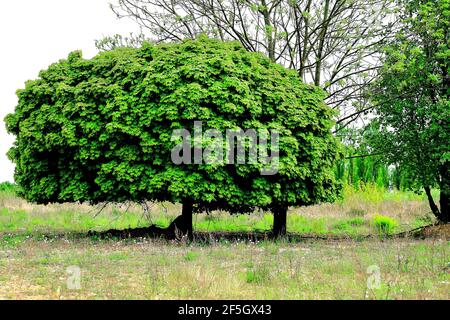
column 352, row 216
column 37, row 246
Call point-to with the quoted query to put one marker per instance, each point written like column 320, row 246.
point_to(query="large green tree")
column 412, row 128
column 102, row 130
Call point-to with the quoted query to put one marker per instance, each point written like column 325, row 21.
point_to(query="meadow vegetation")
column 365, row 108
column 358, row 213
column 126, row 269
column 38, row 243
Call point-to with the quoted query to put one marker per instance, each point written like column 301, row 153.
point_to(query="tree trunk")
column 303, row 54
column 323, row 34
column 444, row 186
column 444, row 202
column 186, row 213
column 269, row 32
column 433, row 205
column 279, row 221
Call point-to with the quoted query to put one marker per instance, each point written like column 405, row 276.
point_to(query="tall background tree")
column 331, row 43
column 412, row 124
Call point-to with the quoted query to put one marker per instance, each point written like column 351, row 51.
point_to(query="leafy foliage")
column 100, row 129
column 412, row 129
column 331, row 43
column 8, row 187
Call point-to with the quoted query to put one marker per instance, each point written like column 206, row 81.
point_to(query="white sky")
column 35, row 34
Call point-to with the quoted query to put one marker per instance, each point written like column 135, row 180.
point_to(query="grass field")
column 354, row 215
column 38, row 245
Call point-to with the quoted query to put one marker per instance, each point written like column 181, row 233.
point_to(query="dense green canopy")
column 412, row 125
column 100, row 129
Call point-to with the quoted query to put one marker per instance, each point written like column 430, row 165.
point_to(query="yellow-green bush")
column 385, row 225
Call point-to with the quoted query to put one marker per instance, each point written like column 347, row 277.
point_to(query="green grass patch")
column 257, row 274
column 191, row 256
column 384, row 225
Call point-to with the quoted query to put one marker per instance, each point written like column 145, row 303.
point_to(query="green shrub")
column 385, row 225
column 8, row 187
